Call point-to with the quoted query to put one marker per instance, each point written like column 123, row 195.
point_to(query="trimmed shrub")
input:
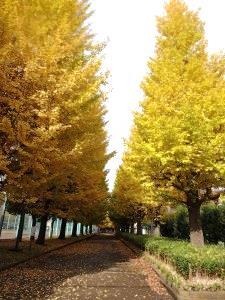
column 185, row 258
column 175, row 225
column 167, row 228
column 213, row 223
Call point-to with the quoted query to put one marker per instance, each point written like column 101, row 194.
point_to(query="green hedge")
column 185, row 258
column 213, row 223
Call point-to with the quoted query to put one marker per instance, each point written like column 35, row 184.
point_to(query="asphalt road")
column 98, row 268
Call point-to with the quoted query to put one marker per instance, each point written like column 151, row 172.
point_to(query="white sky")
column 129, row 26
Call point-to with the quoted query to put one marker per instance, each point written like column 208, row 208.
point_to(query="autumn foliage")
column 52, row 136
column 176, row 152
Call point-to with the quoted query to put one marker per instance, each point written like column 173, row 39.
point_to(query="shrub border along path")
column 67, row 242
column 178, row 293
column 139, row 251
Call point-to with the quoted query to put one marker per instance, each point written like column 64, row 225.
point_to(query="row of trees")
column 176, row 151
column 52, row 136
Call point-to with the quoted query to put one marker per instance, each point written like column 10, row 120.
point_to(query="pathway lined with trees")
column 53, row 156
column 175, row 159
column 99, row 268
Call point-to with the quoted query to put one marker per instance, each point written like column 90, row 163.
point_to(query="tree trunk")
column 90, row 229
column 86, row 229
column 20, row 231
column 139, row 228
column 52, row 227
column 127, row 228
column 34, row 221
column 132, row 228
column 41, row 236
column 33, row 231
column 81, row 229
column 2, row 218
column 117, row 229
column 33, row 228
column 74, row 232
column 156, row 230
column 122, row 227
column 62, row 234
column 21, row 225
column 195, row 226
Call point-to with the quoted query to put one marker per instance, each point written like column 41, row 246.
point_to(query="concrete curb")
column 9, row 266
column 132, row 247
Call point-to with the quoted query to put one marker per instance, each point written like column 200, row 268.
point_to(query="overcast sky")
column 129, row 26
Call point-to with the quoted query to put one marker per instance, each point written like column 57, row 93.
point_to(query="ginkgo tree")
column 179, row 149
column 131, row 200
column 19, row 121
column 80, row 121
column 53, row 141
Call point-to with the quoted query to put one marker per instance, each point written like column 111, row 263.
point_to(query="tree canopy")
column 176, row 149
column 52, row 129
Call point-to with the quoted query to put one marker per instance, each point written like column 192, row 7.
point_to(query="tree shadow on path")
column 97, row 268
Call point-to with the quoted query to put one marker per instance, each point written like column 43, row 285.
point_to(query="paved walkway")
column 99, row 268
